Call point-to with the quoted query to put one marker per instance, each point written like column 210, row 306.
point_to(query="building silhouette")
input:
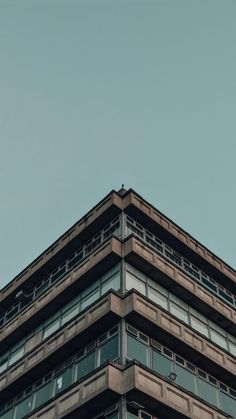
column 124, row 316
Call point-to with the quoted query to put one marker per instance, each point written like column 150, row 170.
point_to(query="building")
column 124, row 316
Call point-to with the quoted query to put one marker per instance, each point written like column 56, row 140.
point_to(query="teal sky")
column 96, row 93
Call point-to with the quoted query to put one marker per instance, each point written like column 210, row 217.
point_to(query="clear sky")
column 96, row 93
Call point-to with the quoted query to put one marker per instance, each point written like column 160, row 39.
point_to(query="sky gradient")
column 96, row 93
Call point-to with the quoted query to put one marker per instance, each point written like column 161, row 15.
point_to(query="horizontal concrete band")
column 113, row 246
column 133, row 379
column 136, row 246
column 115, row 306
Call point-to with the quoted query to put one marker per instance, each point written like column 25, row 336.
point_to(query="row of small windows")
column 159, row 295
column 197, row 274
column 24, row 299
column 132, row 412
column 111, row 280
column 74, row 369
column 163, row 361
column 106, row 348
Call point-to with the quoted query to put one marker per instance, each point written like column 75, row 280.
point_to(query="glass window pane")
column 63, row 380
column 43, row 394
column 208, row 392
column 218, row 339
column 137, row 350
column 111, row 283
column 69, row 314
column 89, row 299
column 133, row 282
column 179, row 312
column 86, row 365
column 3, row 363
column 158, row 298
column 23, row 408
column 8, row 415
column 232, row 348
column 161, row 364
column 199, row 326
column 110, row 350
column 185, row 378
column 229, row 404
column 51, row 328
column 16, row 355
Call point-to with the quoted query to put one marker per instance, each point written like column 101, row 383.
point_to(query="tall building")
column 124, row 316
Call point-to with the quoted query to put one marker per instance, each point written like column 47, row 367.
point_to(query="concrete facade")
column 124, row 316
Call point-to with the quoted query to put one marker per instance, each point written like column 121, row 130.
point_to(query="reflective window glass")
column 137, row 350
column 133, row 282
column 43, row 394
column 63, row 380
column 69, row 314
column 111, row 283
column 86, row 365
column 161, row 364
column 179, row 312
column 16, row 355
column 185, row 379
column 51, row 328
column 8, row 415
column 3, row 364
column 208, row 392
column 23, row 408
column 199, row 326
column 229, row 404
column 232, row 348
column 90, row 298
column 110, row 350
column 218, row 339
column 157, row 298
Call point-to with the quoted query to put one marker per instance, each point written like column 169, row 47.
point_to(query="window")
column 109, row 350
column 161, row 364
column 208, row 392
column 133, row 282
column 16, row 355
column 43, row 394
column 3, row 363
column 199, row 326
column 185, row 379
column 137, row 350
column 158, row 298
column 63, row 380
column 51, row 328
column 179, row 312
column 111, row 283
column 229, row 404
column 23, row 408
column 86, row 365
column 69, row 314
column 218, row 339
column 90, row 295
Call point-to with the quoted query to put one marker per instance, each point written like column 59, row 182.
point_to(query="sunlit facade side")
column 124, row 316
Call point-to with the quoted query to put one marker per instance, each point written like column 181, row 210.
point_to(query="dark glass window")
column 63, row 380
column 43, row 394
column 86, row 365
column 23, row 408
column 110, row 350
